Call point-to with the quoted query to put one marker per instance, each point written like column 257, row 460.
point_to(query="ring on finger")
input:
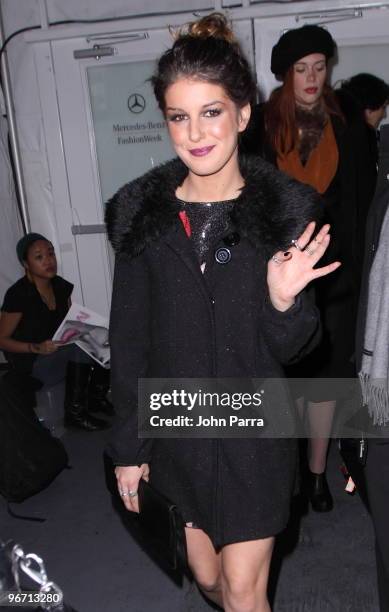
column 132, row 493
column 123, row 493
column 276, row 259
column 296, row 244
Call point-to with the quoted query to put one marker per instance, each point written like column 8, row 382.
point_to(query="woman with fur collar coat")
column 216, row 299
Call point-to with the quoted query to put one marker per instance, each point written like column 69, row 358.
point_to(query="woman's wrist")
column 33, row 347
column 281, row 304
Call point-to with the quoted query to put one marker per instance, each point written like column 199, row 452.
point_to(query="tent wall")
column 10, row 226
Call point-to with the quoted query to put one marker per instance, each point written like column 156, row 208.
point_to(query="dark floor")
column 99, row 565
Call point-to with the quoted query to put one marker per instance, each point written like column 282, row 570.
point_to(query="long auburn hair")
column 280, row 114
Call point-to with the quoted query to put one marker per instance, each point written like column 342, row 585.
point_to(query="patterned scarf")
column 314, row 160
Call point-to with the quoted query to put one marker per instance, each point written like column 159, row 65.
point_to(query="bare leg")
column 245, row 572
column 205, row 564
column 320, row 415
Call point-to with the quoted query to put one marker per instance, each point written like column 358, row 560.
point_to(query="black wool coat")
column 345, row 206
column 168, row 320
column 346, row 201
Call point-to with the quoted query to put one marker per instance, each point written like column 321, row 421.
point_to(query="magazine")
column 88, row 330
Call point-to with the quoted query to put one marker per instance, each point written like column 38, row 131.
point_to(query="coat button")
column 223, row 255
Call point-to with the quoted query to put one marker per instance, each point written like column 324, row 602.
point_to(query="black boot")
column 319, row 493
column 76, row 413
column 98, row 389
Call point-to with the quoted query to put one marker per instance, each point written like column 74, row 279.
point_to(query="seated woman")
column 32, row 310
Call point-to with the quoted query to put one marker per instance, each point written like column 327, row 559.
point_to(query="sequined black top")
column 208, row 221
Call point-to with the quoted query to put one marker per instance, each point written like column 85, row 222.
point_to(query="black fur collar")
column 271, row 211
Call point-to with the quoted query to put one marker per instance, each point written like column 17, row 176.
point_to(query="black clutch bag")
column 162, row 525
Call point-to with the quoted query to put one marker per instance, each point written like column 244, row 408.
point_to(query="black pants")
column 377, row 477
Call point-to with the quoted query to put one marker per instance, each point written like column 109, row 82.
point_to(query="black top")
column 38, row 322
column 208, row 220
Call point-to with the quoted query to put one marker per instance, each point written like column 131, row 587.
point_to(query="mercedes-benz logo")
column 136, row 103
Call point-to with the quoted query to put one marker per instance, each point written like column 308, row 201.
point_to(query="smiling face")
column 41, row 261
column 309, row 75
column 204, row 124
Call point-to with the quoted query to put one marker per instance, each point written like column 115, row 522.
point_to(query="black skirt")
column 233, row 489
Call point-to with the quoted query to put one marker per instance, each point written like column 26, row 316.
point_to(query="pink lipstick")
column 201, row 152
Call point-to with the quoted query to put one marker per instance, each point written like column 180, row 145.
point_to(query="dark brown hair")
column 280, row 114
column 369, row 91
column 208, row 51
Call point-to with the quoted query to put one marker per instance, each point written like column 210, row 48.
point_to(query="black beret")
column 25, row 242
column 295, row 44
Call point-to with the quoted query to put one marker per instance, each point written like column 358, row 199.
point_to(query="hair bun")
column 207, row 50
column 214, row 25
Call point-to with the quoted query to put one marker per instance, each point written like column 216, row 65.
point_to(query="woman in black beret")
column 32, row 310
column 301, row 130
